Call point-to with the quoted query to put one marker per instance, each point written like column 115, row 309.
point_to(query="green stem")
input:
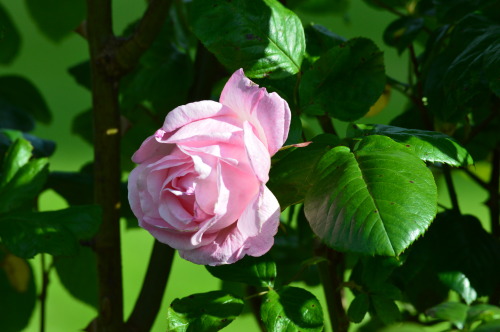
column 451, row 188
column 148, row 304
column 43, row 292
column 332, row 278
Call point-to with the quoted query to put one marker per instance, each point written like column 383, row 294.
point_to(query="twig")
column 326, row 124
column 417, row 100
column 130, row 50
column 388, row 8
column 332, row 278
column 451, row 188
column 153, row 288
column 43, row 293
column 494, row 192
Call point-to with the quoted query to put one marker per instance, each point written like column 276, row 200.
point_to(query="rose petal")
column 150, row 148
column 264, row 207
column 267, row 112
column 185, row 114
column 259, row 157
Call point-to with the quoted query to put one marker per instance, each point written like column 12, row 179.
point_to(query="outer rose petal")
column 185, row 114
column 231, row 244
column 151, row 148
column 265, row 207
column 268, row 112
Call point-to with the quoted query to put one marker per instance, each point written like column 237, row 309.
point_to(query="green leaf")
column 358, row 308
column 319, row 39
column 451, row 10
column 291, row 309
column 78, row 274
column 403, row 31
column 56, row 19
column 10, row 40
column 289, row 178
column 320, row 7
column 385, row 309
column 19, row 95
column 427, row 145
column 482, row 312
column 255, row 271
column 17, row 156
column 24, row 186
column 493, row 326
column 83, row 126
column 17, row 286
column 453, row 312
column 41, row 147
column 55, row 232
column 203, row 312
column 376, row 200
column 260, row 36
column 460, row 284
column 404, row 327
column 345, row 82
column 162, row 79
column 81, row 73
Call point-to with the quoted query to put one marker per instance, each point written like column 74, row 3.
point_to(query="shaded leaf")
column 482, row 312
column 10, row 40
column 345, row 82
column 55, row 232
column 56, row 19
column 261, row 36
column 17, row 286
column 19, row 95
column 385, row 309
column 81, row 73
column 377, row 200
column 319, row 7
column 358, row 308
column 291, row 309
column 255, row 271
column 289, row 178
column 319, row 39
column 78, row 274
column 402, row 32
column 427, row 145
column 492, row 326
column 203, row 312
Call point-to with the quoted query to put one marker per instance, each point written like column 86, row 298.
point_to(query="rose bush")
column 200, row 185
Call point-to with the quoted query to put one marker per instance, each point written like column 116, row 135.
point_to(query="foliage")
column 360, row 210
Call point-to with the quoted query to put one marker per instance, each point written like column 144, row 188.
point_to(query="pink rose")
column 200, row 185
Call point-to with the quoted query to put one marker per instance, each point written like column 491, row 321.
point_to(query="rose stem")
column 110, row 60
column 332, row 276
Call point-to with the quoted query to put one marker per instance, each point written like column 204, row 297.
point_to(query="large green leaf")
column 454, row 312
column 292, row 309
column 358, row 308
column 19, row 95
column 289, row 178
column 78, row 274
column 256, row 271
column 260, row 36
column 17, row 286
column 55, row 232
column 376, row 200
column 203, row 312
column 57, row 18
column 10, row 40
column 345, row 82
column 427, row 145
column 385, row 309
column 319, row 39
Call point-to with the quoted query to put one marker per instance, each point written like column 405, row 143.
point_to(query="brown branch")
column 130, row 50
column 326, row 124
column 106, row 166
column 417, row 100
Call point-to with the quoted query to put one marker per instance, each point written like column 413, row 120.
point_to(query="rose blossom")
column 200, row 183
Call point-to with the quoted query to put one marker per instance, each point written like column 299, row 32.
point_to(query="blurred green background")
column 46, row 63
